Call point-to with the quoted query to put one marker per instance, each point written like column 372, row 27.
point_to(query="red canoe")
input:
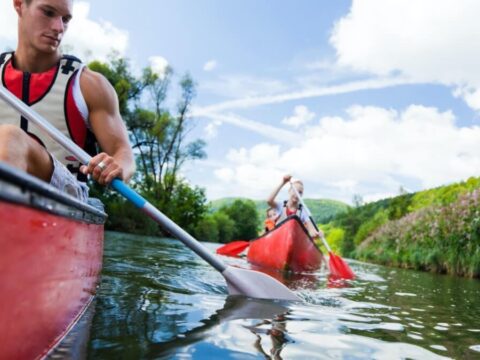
column 287, row 247
column 50, row 261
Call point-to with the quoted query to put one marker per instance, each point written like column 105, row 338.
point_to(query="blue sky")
column 353, row 97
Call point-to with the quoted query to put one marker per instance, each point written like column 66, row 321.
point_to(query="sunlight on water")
column 159, row 300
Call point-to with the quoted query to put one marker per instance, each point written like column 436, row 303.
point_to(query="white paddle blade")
column 256, row 284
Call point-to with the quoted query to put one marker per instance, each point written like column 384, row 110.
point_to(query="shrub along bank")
column 435, row 230
column 443, row 239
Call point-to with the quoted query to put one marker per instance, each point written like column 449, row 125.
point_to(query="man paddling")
column 79, row 102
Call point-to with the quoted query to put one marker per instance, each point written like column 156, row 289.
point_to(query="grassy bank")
column 434, row 230
column 443, row 239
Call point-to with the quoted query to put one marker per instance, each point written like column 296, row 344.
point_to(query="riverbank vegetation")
column 436, row 230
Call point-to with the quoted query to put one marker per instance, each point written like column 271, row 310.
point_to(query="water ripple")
column 158, row 300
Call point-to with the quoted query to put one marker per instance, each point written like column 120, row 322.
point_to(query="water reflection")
column 294, row 281
column 158, row 300
column 261, row 312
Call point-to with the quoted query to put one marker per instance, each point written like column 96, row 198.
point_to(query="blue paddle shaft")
column 167, row 224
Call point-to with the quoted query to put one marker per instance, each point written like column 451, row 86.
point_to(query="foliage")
column 226, row 226
column 363, row 224
column 159, row 138
column 334, row 236
column 370, row 225
column 399, row 206
column 443, row 195
column 237, row 220
column 184, row 204
column 216, row 227
column 244, row 214
column 437, row 238
column 207, row 229
column 351, row 221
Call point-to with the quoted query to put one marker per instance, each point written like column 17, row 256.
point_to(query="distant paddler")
column 292, row 206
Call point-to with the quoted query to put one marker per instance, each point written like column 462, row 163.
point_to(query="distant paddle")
column 233, row 248
column 239, row 281
column 338, row 267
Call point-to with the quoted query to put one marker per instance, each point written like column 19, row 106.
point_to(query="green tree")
column 184, row 204
column 225, row 225
column 160, row 144
column 159, row 137
column 244, row 214
column 206, row 229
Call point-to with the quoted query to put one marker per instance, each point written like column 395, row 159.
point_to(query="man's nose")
column 58, row 24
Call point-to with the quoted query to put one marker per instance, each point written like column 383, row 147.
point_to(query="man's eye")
column 66, row 19
column 49, row 13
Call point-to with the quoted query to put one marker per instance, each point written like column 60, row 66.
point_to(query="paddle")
column 233, row 248
column 338, row 267
column 239, row 281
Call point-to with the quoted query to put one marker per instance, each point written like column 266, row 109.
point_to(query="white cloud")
column 246, row 178
column 85, row 38
column 8, row 26
column 93, row 40
column 311, row 92
column 210, row 65
column 427, row 41
column 240, row 86
column 301, row 116
column 159, row 65
column 211, row 130
column 272, row 132
column 224, row 174
column 372, row 152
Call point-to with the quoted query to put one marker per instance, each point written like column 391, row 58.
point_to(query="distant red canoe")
column 51, row 250
column 287, row 247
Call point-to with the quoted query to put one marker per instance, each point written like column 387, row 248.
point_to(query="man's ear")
column 17, row 4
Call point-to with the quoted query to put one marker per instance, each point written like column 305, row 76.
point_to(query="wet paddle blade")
column 233, row 249
column 339, row 268
column 256, row 285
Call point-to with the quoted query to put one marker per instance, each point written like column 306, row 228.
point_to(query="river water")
column 158, row 300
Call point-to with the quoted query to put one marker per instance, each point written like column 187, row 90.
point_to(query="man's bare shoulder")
column 95, row 87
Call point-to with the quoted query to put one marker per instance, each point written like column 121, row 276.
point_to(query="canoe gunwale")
column 21, row 188
column 279, row 225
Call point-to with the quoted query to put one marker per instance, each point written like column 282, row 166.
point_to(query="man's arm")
column 109, row 129
column 271, row 199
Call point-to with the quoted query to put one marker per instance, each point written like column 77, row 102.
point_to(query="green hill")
column 322, row 209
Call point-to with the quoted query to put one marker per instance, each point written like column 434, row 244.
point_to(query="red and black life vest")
column 51, row 95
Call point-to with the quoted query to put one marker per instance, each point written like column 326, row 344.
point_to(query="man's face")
column 43, row 23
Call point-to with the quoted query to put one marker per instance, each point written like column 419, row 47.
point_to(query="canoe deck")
column 287, row 247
